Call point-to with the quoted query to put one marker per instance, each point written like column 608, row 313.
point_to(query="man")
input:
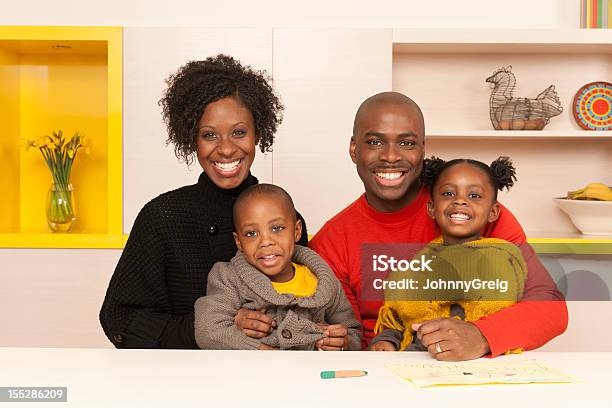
column 388, row 148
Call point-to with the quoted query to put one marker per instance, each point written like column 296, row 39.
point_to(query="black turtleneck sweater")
column 176, row 239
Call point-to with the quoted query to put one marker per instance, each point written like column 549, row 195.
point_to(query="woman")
column 219, row 110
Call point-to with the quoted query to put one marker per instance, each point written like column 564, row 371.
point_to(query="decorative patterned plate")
column 592, row 106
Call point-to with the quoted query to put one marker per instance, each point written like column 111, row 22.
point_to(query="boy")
column 292, row 283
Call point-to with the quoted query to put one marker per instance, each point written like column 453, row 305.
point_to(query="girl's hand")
column 383, row 346
column 336, row 337
column 254, row 323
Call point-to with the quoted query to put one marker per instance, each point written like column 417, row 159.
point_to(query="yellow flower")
column 71, row 153
column 40, row 141
column 27, row 143
column 57, row 136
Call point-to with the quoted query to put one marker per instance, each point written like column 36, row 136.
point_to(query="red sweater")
column 540, row 316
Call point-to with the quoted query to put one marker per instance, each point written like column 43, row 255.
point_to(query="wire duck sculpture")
column 510, row 113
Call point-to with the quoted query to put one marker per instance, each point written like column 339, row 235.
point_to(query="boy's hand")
column 383, row 345
column 254, row 323
column 336, row 337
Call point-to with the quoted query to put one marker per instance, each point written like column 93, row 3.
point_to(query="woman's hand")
column 383, row 345
column 254, row 323
column 449, row 339
column 336, row 337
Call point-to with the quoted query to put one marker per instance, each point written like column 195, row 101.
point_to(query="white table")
column 176, row 378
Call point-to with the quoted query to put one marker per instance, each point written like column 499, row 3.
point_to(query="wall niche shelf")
column 444, row 71
column 67, row 78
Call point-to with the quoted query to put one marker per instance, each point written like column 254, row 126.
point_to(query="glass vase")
column 61, row 213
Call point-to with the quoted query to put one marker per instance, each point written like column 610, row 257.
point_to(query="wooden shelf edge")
column 67, row 240
column 519, row 134
column 117, row 241
column 542, row 36
column 579, row 246
column 59, row 32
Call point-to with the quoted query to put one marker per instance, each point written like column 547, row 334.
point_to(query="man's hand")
column 254, row 323
column 383, row 346
column 449, row 339
column 336, row 337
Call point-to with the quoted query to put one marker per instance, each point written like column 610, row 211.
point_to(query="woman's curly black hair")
column 501, row 172
column 198, row 83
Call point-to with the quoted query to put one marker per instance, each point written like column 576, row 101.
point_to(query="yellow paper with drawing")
column 478, row 373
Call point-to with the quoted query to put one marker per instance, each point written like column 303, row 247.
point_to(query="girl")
column 463, row 200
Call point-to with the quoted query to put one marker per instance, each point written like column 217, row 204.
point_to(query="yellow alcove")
column 67, row 78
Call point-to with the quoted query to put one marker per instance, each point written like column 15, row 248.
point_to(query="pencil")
column 343, row 374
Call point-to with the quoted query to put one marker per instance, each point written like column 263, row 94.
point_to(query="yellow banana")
column 573, row 194
column 593, row 191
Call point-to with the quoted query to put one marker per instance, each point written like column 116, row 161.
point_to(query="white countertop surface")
column 193, row 378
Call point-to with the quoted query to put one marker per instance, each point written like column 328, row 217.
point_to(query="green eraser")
column 328, row 374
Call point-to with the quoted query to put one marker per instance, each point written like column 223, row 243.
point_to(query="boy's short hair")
column 264, row 189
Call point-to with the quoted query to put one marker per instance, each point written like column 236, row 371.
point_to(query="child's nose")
column 266, row 240
column 460, row 201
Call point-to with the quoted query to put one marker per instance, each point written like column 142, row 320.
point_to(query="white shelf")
column 519, row 134
column 549, row 41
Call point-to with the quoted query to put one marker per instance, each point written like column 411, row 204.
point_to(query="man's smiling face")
column 388, row 148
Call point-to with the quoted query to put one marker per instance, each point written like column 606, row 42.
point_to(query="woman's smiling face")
column 225, row 142
column 462, row 202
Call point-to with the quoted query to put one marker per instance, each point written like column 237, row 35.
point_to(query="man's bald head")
column 388, row 98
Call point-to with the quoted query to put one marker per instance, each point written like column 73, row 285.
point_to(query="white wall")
column 279, row 13
column 322, row 75
column 52, row 297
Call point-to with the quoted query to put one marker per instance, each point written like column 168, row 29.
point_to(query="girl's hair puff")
column 501, row 172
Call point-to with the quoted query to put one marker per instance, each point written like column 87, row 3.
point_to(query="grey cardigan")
column 236, row 284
